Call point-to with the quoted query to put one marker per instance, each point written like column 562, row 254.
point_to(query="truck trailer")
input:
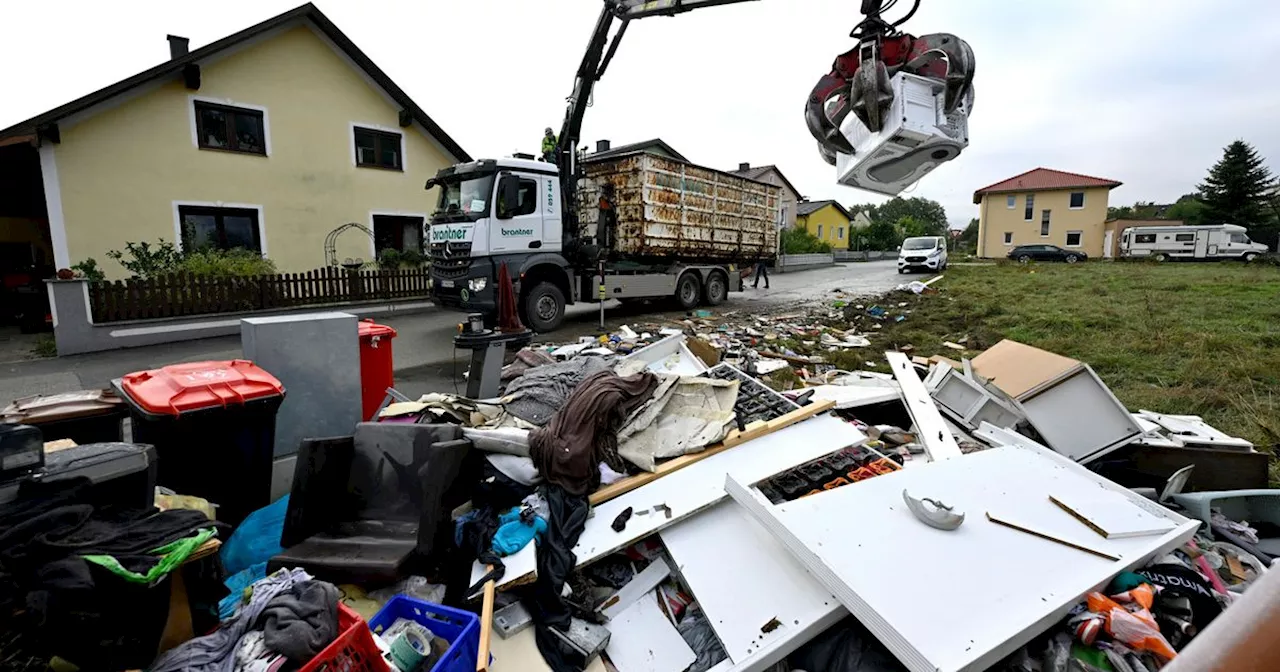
column 646, row 227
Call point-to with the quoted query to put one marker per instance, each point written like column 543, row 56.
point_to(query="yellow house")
column 1044, row 206
column 827, row 220
column 269, row 139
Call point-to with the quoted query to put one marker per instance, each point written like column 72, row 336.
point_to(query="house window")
column 1044, row 222
column 1008, row 237
column 819, row 231
column 1077, row 200
column 233, row 129
column 1029, row 212
column 1144, row 238
column 394, row 232
column 1011, row 201
column 206, row 228
column 1073, row 238
column 378, row 149
column 840, row 233
column 1185, row 237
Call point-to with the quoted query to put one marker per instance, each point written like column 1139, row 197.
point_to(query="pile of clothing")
column 88, row 583
column 282, row 623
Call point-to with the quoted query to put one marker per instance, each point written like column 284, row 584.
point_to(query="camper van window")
column 1144, row 238
column 1185, row 237
column 1239, row 238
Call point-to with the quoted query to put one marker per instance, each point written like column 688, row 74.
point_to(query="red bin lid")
column 178, row 388
column 368, row 328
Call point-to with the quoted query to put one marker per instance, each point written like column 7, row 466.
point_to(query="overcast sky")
column 1144, row 92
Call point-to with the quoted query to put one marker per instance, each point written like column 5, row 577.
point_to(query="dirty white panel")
column 643, row 640
column 746, row 582
column 698, row 486
column 1080, row 418
column 1113, row 514
column 977, row 593
column 930, row 427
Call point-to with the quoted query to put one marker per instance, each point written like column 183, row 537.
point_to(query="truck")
column 1204, row 242
column 647, row 226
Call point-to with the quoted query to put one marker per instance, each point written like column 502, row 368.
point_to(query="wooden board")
column 743, row 579
column 643, row 640
column 970, row 596
column 1020, row 369
column 693, row 489
column 735, row 438
column 1110, row 515
column 930, row 427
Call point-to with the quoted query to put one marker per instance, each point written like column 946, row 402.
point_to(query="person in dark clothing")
column 761, row 270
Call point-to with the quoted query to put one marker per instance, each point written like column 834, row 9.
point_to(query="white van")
column 1208, row 242
column 926, row 253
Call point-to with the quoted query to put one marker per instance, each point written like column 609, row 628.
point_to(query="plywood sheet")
column 977, row 593
column 695, row 488
column 744, row 580
column 1019, row 369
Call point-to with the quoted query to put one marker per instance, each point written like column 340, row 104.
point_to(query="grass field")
column 1200, row 339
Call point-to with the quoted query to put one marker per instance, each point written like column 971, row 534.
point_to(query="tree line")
column 897, row 219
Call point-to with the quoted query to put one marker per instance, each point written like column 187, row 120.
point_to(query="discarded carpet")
column 539, row 393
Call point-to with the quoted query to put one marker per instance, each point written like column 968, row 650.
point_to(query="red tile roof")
column 1044, row 179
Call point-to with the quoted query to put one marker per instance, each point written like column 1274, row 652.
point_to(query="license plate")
column 446, row 283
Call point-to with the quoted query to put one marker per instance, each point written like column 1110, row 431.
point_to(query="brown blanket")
column 569, row 450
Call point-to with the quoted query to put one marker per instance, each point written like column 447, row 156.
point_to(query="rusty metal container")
column 669, row 209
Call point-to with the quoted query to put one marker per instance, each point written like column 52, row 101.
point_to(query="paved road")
column 424, row 356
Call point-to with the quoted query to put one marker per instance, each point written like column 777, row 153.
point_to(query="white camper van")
column 1163, row 243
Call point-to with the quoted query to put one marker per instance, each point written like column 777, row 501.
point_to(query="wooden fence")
column 180, row 294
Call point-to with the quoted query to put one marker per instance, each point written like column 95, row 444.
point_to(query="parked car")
column 927, row 253
column 1025, row 253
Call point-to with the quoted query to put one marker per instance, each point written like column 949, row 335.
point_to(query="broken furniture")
column 1192, row 430
column 756, row 402
column 84, row 416
column 970, row 400
column 669, row 355
column 931, row 429
column 1063, row 399
column 488, row 348
column 974, row 611
column 1253, row 506
column 363, row 505
column 213, row 425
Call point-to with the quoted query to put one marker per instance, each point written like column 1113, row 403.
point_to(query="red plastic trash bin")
column 377, row 371
column 213, row 425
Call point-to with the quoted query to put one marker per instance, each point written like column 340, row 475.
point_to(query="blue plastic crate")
column 460, row 628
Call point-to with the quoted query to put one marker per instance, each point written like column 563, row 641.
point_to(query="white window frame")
column 351, row 143
column 1046, row 227
column 1008, row 238
column 1081, row 239
column 819, row 232
column 1082, row 200
column 373, row 244
column 1011, row 202
column 1029, row 209
column 266, row 120
column 262, row 220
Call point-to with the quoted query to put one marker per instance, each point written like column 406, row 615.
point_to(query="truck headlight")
column 477, row 284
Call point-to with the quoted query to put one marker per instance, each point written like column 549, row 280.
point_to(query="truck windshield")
column 464, row 199
column 919, row 244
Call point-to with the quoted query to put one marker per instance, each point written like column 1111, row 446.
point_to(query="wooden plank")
column 486, row 624
column 1050, row 537
column 735, row 438
column 930, row 426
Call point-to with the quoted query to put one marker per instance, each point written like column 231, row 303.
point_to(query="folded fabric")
column 514, row 534
column 301, row 621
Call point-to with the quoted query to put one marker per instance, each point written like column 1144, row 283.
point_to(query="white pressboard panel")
column 977, row 593
column 743, row 579
column 1112, row 513
column 1080, row 418
column 643, row 640
column 930, row 428
column 696, row 487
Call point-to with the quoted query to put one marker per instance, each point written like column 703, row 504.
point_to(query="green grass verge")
column 1199, row 339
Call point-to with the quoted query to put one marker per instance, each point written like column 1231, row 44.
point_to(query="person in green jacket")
column 549, row 146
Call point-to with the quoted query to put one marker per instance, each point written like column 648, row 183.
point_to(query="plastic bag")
column 414, row 586
column 846, row 646
column 257, row 539
column 697, row 633
column 1135, row 626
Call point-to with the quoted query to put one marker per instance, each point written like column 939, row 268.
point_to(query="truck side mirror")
column 508, row 196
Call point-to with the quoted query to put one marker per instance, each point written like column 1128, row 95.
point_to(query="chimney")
column 744, row 166
column 177, row 46
column 602, row 146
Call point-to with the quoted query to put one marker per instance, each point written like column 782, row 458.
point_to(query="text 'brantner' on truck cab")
column 643, row 226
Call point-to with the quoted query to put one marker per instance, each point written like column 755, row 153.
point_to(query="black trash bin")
column 213, row 425
column 84, row 416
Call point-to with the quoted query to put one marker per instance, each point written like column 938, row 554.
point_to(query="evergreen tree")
column 1237, row 188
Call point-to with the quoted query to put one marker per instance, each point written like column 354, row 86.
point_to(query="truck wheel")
column 1162, row 257
column 544, row 307
column 687, row 291
column 716, row 289
column 1249, row 257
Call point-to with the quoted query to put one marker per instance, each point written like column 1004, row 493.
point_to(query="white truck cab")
column 927, row 253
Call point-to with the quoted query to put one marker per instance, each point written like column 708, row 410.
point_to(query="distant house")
column 1045, row 206
column 860, row 220
column 827, row 220
column 605, row 150
column 790, row 195
column 267, row 140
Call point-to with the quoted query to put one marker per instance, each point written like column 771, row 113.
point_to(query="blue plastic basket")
column 460, row 628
